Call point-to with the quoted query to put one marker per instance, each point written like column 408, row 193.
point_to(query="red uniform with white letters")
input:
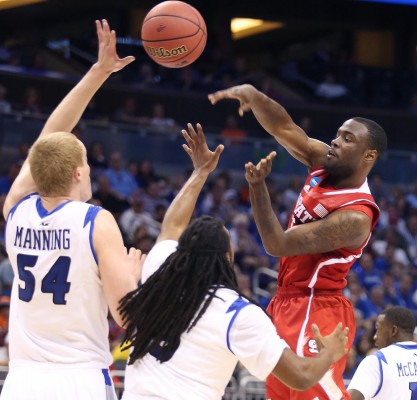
column 310, row 286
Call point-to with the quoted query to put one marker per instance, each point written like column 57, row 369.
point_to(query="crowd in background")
column 138, row 195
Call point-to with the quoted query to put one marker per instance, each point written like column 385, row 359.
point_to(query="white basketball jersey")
column 390, row 373
column 58, row 310
column 231, row 330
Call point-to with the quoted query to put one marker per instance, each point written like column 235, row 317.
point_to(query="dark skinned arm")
column 341, row 229
column 300, row 373
column 277, row 122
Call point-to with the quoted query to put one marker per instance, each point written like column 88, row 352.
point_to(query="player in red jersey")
column 330, row 225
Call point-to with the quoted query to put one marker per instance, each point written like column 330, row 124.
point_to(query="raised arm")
column 69, row 111
column 182, row 207
column 277, row 122
column 300, row 373
column 341, row 229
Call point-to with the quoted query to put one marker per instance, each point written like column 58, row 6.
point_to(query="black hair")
column 377, row 135
column 177, row 295
column 401, row 317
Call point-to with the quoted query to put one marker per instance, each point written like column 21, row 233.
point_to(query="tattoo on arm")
column 342, row 230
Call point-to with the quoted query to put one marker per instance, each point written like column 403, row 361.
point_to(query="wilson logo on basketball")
column 161, row 52
column 160, row 28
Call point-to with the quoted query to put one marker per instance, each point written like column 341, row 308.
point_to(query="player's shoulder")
column 236, row 305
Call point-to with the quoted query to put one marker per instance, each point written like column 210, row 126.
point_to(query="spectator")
column 97, row 159
column 6, row 277
column 4, row 330
column 31, row 105
column 368, row 275
column 121, row 180
column 146, row 173
column 108, row 198
column 232, row 131
column 330, row 90
column 5, row 106
column 160, row 120
column 127, row 113
column 136, row 216
column 7, row 180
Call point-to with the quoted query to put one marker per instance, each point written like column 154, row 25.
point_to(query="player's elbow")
column 272, row 247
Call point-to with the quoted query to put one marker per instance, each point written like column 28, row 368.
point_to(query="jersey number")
column 55, row 281
column 413, row 388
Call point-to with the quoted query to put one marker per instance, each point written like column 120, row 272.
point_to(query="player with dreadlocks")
column 188, row 325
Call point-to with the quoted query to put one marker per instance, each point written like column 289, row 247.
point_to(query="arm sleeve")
column 367, row 377
column 156, row 257
column 255, row 342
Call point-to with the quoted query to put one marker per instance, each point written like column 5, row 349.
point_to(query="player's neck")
column 344, row 183
column 52, row 202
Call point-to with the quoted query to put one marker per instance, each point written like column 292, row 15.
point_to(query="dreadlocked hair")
column 177, row 295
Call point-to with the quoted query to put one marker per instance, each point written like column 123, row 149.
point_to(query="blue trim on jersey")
column 406, row 346
column 381, row 358
column 89, row 218
column 107, row 379
column 43, row 212
column 237, row 306
column 13, row 209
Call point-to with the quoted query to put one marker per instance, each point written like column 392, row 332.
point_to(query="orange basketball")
column 174, row 34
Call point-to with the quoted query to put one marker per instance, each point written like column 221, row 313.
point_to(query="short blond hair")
column 52, row 160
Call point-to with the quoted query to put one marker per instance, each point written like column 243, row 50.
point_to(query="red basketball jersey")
column 325, row 270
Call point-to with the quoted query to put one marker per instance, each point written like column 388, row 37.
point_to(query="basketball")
column 174, row 34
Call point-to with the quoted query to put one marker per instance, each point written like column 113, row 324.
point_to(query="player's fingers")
column 112, row 40
column 215, row 97
column 127, row 60
column 106, row 30
column 133, row 252
column 338, row 328
column 187, row 149
column 316, row 330
column 219, row 150
column 99, row 30
column 191, row 131
column 188, row 138
column 271, row 155
column 200, row 132
column 186, row 134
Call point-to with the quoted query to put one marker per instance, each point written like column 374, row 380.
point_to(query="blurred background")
column 325, row 61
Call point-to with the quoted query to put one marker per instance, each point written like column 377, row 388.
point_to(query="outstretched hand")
column 203, row 158
column 335, row 342
column 255, row 175
column 108, row 58
column 243, row 93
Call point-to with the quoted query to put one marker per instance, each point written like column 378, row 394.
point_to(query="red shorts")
column 293, row 310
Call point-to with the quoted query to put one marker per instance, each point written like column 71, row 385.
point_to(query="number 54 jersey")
column 58, row 311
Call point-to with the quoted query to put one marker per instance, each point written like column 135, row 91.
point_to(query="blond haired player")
column 68, row 258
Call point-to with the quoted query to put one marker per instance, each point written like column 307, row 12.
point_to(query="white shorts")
column 57, row 383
